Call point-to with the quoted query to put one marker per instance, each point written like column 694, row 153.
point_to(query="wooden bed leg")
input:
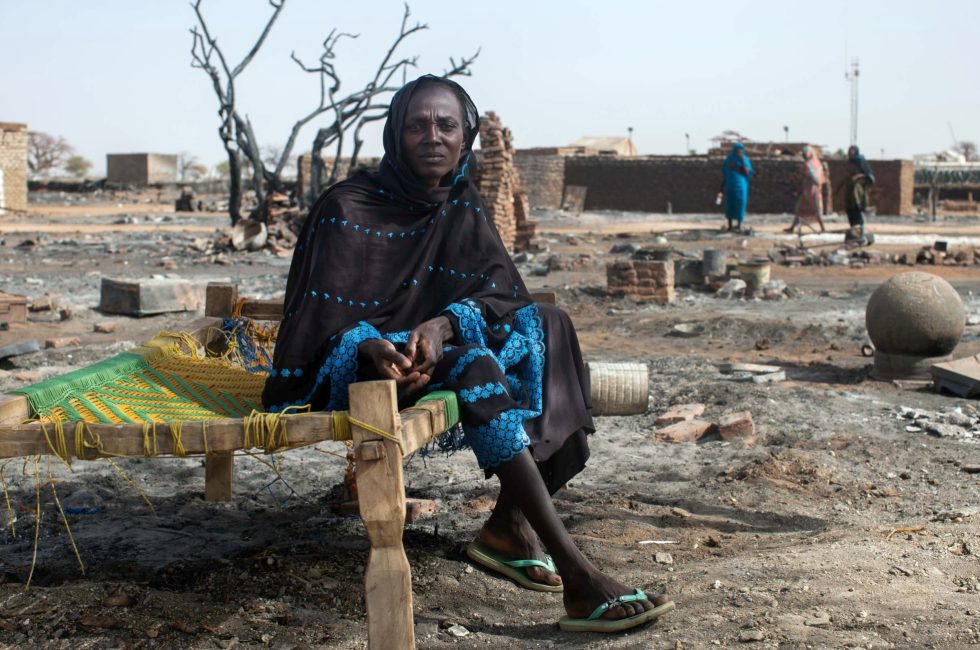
column 381, row 493
column 219, row 472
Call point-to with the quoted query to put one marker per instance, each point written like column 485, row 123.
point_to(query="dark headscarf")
column 860, row 163
column 394, row 172
column 381, row 253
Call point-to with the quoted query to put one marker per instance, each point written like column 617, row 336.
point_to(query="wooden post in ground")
column 381, row 493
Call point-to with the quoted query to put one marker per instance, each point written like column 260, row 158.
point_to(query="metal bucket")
column 619, row 388
column 755, row 273
column 714, row 261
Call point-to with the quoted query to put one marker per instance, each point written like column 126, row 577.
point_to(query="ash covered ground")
column 785, row 543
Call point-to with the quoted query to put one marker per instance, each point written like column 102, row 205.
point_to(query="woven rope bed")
column 173, row 397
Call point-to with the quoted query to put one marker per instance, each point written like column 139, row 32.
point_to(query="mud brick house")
column 141, row 168
column 13, row 166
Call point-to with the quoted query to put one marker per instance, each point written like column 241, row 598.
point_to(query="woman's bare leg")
column 585, row 586
column 508, row 531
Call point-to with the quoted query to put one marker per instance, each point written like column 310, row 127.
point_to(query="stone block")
column 150, row 296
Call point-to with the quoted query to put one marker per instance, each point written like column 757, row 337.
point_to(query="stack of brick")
column 641, row 280
column 500, row 185
column 13, row 166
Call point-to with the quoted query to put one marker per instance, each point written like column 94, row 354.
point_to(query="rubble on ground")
column 937, row 254
column 960, row 422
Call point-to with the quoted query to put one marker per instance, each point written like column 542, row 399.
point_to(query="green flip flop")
column 595, row 622
column 511, row 568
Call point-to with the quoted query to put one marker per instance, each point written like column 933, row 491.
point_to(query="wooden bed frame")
column 379, row 477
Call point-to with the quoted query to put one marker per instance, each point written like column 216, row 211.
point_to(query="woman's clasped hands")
column 412, row 368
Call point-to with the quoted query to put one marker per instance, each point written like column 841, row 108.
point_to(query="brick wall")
column 894, row 185
column 690, row 183
column 543, row 175
column 140, row 168
column 13, row 162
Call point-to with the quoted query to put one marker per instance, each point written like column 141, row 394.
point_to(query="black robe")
column 379, row 254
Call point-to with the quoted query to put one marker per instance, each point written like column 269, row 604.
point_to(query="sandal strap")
column 618, row 600
column 548, row 564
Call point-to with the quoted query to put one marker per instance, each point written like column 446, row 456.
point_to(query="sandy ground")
column 787, row 543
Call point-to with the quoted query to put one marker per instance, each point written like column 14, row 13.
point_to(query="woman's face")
column 434, row 134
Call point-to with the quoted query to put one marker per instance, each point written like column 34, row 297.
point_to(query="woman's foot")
column 584, row 594
column 508, row 532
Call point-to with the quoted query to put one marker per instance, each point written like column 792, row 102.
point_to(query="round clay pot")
column 915, row 314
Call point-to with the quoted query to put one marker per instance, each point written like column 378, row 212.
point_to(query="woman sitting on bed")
column 401, row 275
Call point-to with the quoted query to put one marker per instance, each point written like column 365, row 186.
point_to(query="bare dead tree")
column 45, row 153
column 968, row 149
column 361, row 107
column 185, row 163
column 235, row 132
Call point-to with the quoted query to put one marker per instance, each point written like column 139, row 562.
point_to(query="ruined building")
column 141, row 168
column 500, row 185
column 13, row 166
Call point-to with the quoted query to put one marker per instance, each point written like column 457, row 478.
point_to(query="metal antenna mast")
column 852, row 76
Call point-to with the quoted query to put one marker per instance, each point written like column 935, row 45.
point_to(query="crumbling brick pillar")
column 500, row 185
column 13, row 166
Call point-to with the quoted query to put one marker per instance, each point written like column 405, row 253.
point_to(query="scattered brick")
column 105, row 327
column 62, row 342
column 738, row 425
column 687, row 431
column 680, row 413
column 44, row 303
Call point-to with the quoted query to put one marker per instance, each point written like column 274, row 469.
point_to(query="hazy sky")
column 114, row 75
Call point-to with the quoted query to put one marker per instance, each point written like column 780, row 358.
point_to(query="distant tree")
column 351, row 111
column 223, row 169
column 968, row 149
column 271, row 154
column 198, row 171
column 78, row 166
column 46, row 153
column 185, row 162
